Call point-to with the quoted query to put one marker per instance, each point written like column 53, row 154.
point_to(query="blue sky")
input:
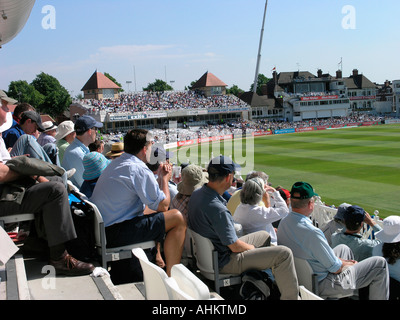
column 179, row 40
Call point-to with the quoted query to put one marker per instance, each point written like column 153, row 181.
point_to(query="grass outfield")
column 355, row 165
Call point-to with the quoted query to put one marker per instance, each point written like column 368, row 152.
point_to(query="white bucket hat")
column 64, row 129
column 391, row 230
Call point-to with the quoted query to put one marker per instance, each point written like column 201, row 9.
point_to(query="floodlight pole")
column 259, row 49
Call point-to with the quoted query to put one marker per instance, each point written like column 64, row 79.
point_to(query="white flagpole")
column 259, row 50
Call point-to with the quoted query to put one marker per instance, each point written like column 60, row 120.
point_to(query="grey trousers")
column 50, row 201
column 277, row 258
column 372, row 272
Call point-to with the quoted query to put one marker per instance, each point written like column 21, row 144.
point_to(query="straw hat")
column 64, row 129
column 193, row 178
column 94, row 164
column 49, row 125
column 116, row 150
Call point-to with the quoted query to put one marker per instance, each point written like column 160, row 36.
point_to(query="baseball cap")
column 34, row 116
column 3, row 96
column 84, row 123
column 284, row 193
column 354, row 214
column 305, row 190
column 222, row 165
column 341, row 210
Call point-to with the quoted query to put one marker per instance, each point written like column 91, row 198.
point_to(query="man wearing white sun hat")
column 65, row 135
column 390, row 250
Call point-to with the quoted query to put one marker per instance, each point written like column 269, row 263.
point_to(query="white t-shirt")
column 4, row 154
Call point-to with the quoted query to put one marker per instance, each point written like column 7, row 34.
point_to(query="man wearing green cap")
column 338, row 274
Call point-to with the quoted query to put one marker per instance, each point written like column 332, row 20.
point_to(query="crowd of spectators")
column 130, row 178
column 239, row 127
column 162, row 101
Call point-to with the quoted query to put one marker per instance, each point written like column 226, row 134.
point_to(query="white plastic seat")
column 154, row 278
column 307, row 294
column 116, row 253
column 305, row 275
column 189, row 283
column 307, row 278
column 207, row 262
column 176, row 292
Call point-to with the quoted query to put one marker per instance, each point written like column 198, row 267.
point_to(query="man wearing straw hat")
column 48, row 134
column 117, row 149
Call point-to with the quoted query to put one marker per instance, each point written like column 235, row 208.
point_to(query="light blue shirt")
column 73, row 158
column 394, row 269
column 362, row 248
column 306, row 241
column 46, row 138
column 124, row 188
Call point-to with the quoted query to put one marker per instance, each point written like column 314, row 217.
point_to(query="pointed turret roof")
column 99, row 81
column 209, row 80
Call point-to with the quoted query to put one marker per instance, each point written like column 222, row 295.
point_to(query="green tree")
column 56, row 97
column 24, row 92
column 235, row 90
column 158, row 86
column 191, row 85
column 109, row 76
column 261, row 79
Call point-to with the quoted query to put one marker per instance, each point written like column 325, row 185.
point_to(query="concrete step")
column 31, row 278
column 34, row 279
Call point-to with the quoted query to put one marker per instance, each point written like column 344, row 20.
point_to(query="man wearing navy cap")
column 209, row 217
column 86, row 130
column 338, row 274
column 354, row 219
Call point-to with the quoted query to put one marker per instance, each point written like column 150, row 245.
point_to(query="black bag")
column 257, row 285
column 83, row 247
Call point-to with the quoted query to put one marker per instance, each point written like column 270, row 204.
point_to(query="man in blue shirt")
column 29, row 123
column 338, row 273
column 209, row 217
column 85, row 128
column 123, row 191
